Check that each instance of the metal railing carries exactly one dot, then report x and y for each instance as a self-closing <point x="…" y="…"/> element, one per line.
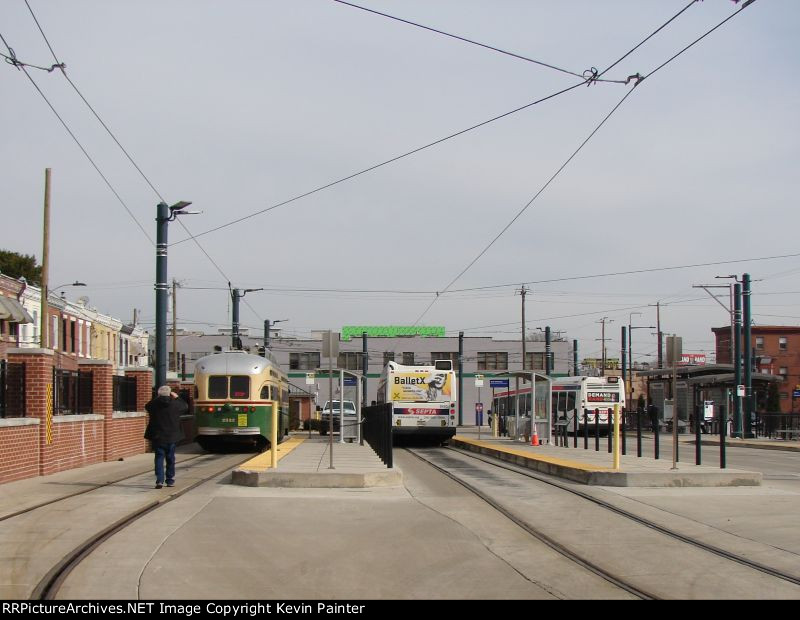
<point x="12" y="389"/>
<point x="72" y="392"/>
<point x="124" y="393"/>
<point x="378" y="430"/>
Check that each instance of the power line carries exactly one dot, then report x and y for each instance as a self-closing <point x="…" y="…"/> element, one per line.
<point x="62" y="66"/>
<point x="586" y="74"/>
<point x="84" y="151"/>
<point x="384" y="163"/>
<point x="525" y="208"/>
<point x="614" y="109"/>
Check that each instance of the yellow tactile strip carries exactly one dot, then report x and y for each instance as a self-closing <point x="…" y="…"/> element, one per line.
<point x="263" y="461"/>
<point x="526" y="454"/>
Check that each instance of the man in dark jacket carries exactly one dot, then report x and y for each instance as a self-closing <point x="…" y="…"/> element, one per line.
<point x="164" y="431"/>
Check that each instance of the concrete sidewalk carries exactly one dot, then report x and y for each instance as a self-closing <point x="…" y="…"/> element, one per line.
<point x="306" y="463"/>
<point x="596" y="467"/>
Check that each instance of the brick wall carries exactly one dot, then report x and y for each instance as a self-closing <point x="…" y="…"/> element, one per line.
<point x="77" y="441"/>
<point x="19" y="449"/>
<point x="125" y="433"/>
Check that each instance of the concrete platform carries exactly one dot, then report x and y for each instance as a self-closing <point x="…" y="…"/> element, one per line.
<point x="596" y="468"/>
<point x="305" y="463"/>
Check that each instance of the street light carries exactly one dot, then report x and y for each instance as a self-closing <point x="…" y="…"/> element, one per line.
<point x="76" y="283"/>
<point x="164" y="215"/>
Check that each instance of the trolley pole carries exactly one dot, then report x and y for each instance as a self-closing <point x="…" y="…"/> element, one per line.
<point x="44" y="341"/>
<point x="737" y="358"/>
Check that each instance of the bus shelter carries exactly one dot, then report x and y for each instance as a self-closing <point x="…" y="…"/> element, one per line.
<point x="526" y="410"/>
<point x="349" y="388"/>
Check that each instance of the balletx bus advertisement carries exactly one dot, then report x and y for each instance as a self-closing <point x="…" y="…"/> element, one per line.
<point x="425" y="386"/>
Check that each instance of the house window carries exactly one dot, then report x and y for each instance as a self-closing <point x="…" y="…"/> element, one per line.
<point x="303" y="361"/>
<point x="783" y="371"/>
<point x="784" y="395"/>
<point x="388" y="356"/>
<point x="782" y="343"/>
<point x="492" y="360"/>
<point x="350" y="360"/>
<point x="534" y="361"/>
<point x="759" y="342"/>
<point x="408" y="358"/>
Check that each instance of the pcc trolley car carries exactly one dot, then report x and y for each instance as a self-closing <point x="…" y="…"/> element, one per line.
<point x="235" y="396"/>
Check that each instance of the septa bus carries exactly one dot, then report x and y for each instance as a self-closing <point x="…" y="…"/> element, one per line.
<point x="423" y="399"/>
<point x="572" y="397"/>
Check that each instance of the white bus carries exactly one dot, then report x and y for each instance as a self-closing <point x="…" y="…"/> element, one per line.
<point x="572" y="397"/>
<point x="423" y="399"/>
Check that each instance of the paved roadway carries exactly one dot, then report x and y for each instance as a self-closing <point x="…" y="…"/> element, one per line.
<point x="429" y="539"/>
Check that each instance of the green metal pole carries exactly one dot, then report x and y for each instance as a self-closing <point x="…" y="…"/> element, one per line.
<point x="748" y="359"/>
<point x="162" y="222"/>
<point x="737" y="358"/>
<point x="460" y="377"/>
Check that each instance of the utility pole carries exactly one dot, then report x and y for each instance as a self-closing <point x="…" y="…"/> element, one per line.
<point x="660" y="337"/>
<point x="575" y="357"/>
<point x="44" y="341"/>
<point x="164" y="215"/>
<point x="460" y="378"/>
<point x="548" y="354"/>
<point x="174" y="325"/>
<point x="603" y="322"/>
<point x="623" y="338"/>
<point x="236" y="342"/>
<point x="748" y="357"/>
<point x="737" y="355"/>
<point x="523" y="291"/>
<point x="235" y="318"/>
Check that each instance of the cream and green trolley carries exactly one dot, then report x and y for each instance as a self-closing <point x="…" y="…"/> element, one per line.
<point x="235" y="396"/>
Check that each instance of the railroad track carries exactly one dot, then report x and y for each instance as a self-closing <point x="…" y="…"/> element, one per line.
<point x="48" y="586"/>
<point x="576" y="556"/>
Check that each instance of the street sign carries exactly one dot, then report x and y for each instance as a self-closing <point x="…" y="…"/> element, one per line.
<point x="739" y="390"/>
<point x="498" y="383"/>
<point x="796" y="394"/>
<point x="350" y="381"/>
<point x="478" y="380"/>
<point x="309" y="378"/>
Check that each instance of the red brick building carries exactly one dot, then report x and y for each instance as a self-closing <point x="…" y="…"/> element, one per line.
<point x="775" y="350"/>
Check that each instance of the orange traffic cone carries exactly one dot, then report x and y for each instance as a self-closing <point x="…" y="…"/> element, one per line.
<point x="535" y="438"/>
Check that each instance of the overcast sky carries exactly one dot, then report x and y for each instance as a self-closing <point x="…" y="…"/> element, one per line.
<point x="238" y="106"/>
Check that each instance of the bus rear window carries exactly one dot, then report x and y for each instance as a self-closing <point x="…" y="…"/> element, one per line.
<point x="218" y="387"/>
<point x="240" y="387"/>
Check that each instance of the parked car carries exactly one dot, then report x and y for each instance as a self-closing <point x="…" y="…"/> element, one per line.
<point x="334" y="407"/>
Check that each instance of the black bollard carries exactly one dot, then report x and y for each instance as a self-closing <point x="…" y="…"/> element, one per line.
<point x="597" y="430"/>
<point x="585" y="429"/>
<point x="638" y="432"/>
<point x="655" y="439"/>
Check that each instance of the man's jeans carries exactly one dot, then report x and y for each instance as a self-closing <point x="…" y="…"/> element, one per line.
<point x="164" y="451"/>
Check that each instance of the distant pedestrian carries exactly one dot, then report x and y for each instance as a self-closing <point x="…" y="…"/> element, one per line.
<point x="652" y="411"/>
<point x="164" y="432"/>
<point x="489" y="417"/>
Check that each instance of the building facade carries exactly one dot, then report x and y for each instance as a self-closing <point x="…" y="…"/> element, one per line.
<point x="302" y="357"/>
<point x="775" y="350"/>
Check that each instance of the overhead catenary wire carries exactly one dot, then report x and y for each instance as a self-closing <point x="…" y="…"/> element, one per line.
<point x="62" y="66"/>
<point x="614" y="109"/>
<point x="86" y="154"/>
<point x="385" y="162"/>
<point x="583" y="75"/>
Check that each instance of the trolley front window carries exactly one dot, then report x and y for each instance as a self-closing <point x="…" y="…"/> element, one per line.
<point x="218" y="387"/>
<point x="240" y="387"/>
